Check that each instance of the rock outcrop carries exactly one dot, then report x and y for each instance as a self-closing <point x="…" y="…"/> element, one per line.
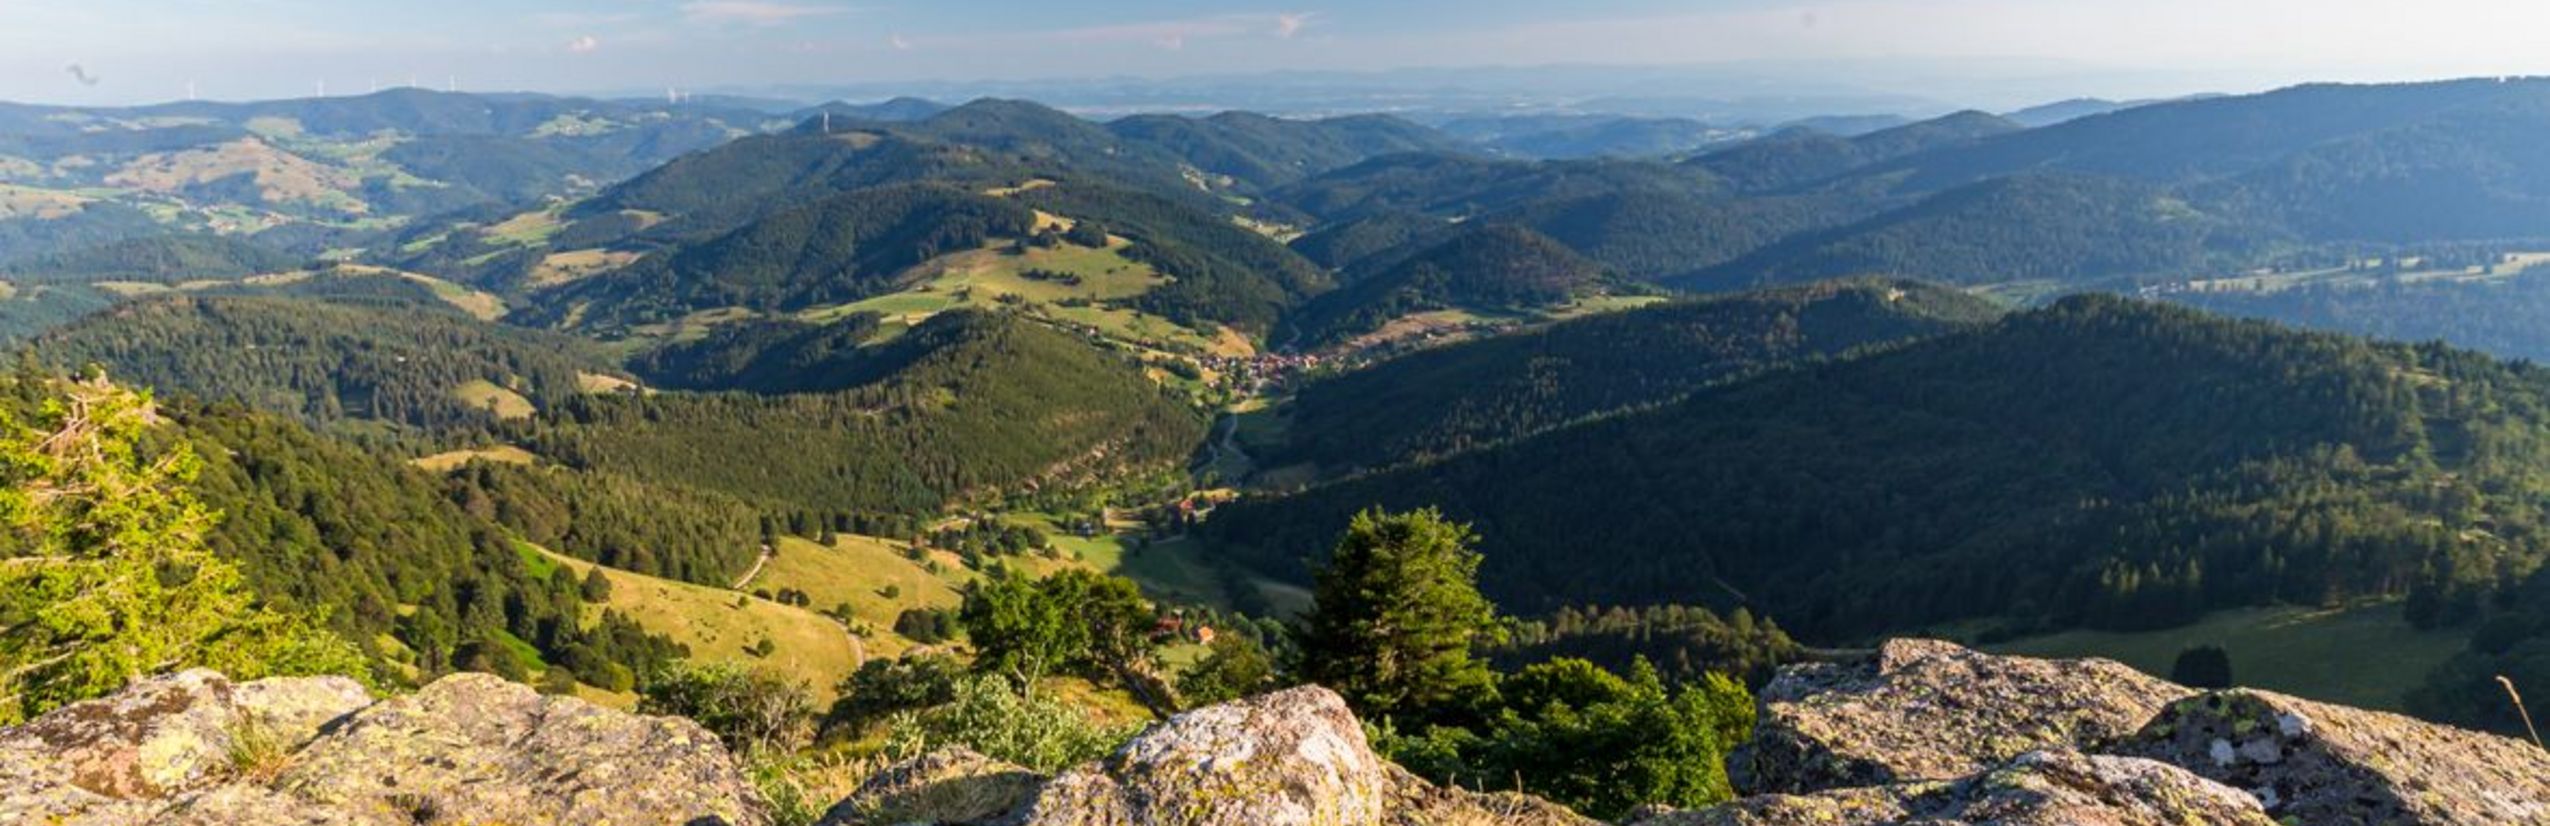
<point x="1928" y="710"/>
<point x="1292" y="758"/>
<point x="2324" y="764"/>
<point x="1922" y="733"/>
<point x="195" y="748"/>
<point x="1925" y="733"/>
<point x="2044" y="788"/>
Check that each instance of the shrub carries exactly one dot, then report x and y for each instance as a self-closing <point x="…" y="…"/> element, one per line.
<point x="995" y="721"/>
<point x="753" y="712"/>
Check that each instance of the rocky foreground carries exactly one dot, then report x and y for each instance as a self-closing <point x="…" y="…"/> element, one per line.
<point x="1921" y="732"/>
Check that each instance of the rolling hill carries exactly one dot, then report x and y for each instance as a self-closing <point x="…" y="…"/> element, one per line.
<point x="1492" y="270"/>
<point x="329" y="363"/>
<point x="1460" y="397"/>
<point x="974" y="404"/>
<point x="1800" y="157"/>
<point x="836" y="250"/>
<point x="2099" y="462"/>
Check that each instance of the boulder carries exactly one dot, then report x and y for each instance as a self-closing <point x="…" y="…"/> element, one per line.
<point x="1928" y="710"/>
<point x="194" y="748"/>
<point x="1292" y="758"/>
<point x="951" y="785"/>
<point x="1415" y="802"/>
<point x="117" y="758"/>
<point x="474" y="748"/>
<point x="2042" y="788"/>
<point x="2321" y="764"/>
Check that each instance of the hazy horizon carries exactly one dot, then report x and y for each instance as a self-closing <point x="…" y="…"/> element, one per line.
<point x="1936" y="54"/>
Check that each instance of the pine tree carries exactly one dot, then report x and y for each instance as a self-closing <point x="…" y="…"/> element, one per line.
<point x="106" y="576"/>
<point x="1395" y="614"/>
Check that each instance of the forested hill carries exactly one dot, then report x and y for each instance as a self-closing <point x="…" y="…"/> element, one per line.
<point x="159" y="258"/>
<point x="994" y="402"/>
<point x="2068" y="229"/>
<point x="376" y="549"/>
<point x="1800" y="157"/>
<point x="2100" y="462"/>
<point x="839" y="249"/>
<point x="1458" y="397"/>
<point x="1496" y="269"/>
<point x="328" y="362"/>
<point x="1265" y="151"/>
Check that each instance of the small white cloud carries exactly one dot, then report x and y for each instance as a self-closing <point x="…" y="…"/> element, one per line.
<point x="1287" y="25"/>
<point x="584" y="45"/>
<point x="752" y="12"/>
<point x="900" y="44"/>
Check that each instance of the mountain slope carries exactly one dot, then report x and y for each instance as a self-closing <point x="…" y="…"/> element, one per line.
<point x="976" y="402"/>
<point x="1494" y="269"/>
<point x="1263" y="151"/>
<point x="2099" y="462"/>
<point x="327" y="362"/>
<point x="1799" y="157"/>
<point x="2068" y="229"/>
<point x="1459" y="397"/>
<point x="835" y="250"/>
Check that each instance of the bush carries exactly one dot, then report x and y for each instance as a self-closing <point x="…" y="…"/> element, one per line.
<point x="883" y="687"/>
<point x="753" y="712"/>
<point x="1599" y="743"/>
<point x="1041" y="734"/>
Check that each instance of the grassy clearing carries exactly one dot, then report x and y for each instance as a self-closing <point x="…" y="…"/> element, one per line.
<point x="2365" y="656"/>
<point x="485" y="395"/>
<point x="30" y="202"/>
<point x="576" y="265"/>
<point x="527" y="229"/>
<point x="598" y="383"/>
<point x="718" y="625"/>
<point x="452" y="460"/>
<point x="857" y="570"/>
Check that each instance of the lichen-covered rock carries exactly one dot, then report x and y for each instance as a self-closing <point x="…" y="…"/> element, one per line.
<point x="473" y="748"/>
<point x="2323" y="764"/>
<point x="1928" y="710"/>
<point x="1415" y="802"/>
<point x="2044" y="788"/>
<point x="115" y="759"/>
<point x="194" y="749"/>
<point x="952" y="785"/>
<point x="1292" y="758"/>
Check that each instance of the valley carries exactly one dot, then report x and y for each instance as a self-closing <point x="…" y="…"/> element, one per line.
<point x="999" y="425"/>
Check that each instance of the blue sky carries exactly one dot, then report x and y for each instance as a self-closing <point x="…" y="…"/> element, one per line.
<point x="130" y="50"/>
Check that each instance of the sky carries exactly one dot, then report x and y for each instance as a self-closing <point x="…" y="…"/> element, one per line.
<point x="127" y="51"/>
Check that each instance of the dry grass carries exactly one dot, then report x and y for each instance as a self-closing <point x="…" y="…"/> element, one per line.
<point x="485" y="395"/>
<point x="576" y="265"/>
<point x="718" y="624"/>
<point x="449" y="461"/>
<point x="279" y="176"/>
<point x="256" y="753"/>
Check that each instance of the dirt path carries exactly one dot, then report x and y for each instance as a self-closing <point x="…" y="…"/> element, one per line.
<point x="747" y="579"/>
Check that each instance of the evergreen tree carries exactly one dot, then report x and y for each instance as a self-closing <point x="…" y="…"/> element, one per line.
<point x="1395" y="615"/>
<point x="107" y="576"/>
<point x="596" y="587"/>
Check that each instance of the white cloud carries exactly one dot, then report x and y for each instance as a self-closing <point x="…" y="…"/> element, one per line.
<point x="753" y="12"/>
<point x="899" y="42"/>
<point x="1287" y="25"/>
<point x="584" y="45"/>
